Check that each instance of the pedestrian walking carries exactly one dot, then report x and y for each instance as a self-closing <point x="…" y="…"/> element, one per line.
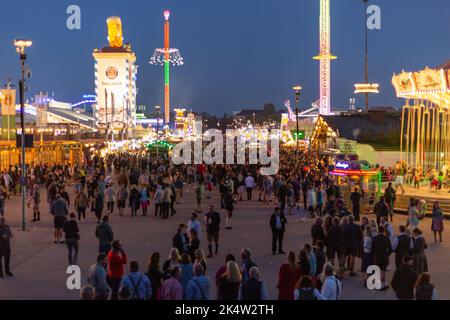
<point x="59" y="210"/>
<point x="278" y="226"/>
<point x="72" y="236"/>
<point x="105" y="235"/>
<point x="437" y="223"/>
<point x="5" y="248"/>
<point x="97" y="277"/>
<point x="117" y="258"/>
<point x="212" y="222"/>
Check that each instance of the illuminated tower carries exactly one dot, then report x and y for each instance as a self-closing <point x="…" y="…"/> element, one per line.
<point x="325" y="58"/>
<point x="115" y="82"/>
<point x="165" y="57"/>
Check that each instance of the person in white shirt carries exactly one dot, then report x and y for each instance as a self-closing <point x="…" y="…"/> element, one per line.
<point x="332" y="286"/>
<point x="249" y="184"/>
<point x="193" y="224"/>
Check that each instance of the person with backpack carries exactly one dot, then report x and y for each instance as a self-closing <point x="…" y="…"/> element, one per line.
<point x="137" y="283"/>
<point x="332" y="286"/>
<point x="304" y="290"/>
<point x="198" y="286"/>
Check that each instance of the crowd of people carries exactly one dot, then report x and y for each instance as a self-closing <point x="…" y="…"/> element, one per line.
<point x="136" y="184"/>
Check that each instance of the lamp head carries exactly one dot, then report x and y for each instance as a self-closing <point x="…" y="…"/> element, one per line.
<point x="166" y="15"/>
<point x="297" y="88"/>
<point x="21" y="44"/>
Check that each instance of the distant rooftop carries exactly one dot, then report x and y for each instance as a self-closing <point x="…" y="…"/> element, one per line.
<point x="445" y="65"/>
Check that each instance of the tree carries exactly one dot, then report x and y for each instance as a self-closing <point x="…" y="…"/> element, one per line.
<point x="269" y="108"/>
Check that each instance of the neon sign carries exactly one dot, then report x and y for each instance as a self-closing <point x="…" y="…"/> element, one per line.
<point x="342" y="165"/>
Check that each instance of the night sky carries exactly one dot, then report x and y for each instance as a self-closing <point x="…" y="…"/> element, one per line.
<point x="238" y="53"/>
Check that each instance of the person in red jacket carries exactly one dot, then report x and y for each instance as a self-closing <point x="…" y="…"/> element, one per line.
<point x="116" y="261"/>
<point x="287" y="278"/>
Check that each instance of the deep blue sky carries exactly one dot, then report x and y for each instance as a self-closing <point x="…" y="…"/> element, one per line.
<point x="238" y="53"/>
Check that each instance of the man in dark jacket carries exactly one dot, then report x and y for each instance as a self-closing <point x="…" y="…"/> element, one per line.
<point x="402" y="246"/>
<point x="282" y="193"/>
<point x="278" y="226"/>
<point x="404" y="280"/>
<point x="356" y="201"/>
<point x="253" y="289"/>
<point x="381" y="209"/>
<point x="5" y="247"/>
<point x="105" y="235"/>
<point x="335" y="242"/>
<point x="390" y="197"/>
<point x="353" y="240"/>
<point x="317" y="232"/>
<point x="180" y="240"/>
<point x="381" y="249"/>
<point x="212" y="222"/>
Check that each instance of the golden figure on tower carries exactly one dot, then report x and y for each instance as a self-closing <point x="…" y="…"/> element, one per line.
<point x="115" y="36"/>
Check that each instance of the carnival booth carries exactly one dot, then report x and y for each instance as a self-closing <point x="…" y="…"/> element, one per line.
<point x="351" y="172"/>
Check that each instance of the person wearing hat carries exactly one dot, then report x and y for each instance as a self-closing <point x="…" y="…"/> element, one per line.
<point x="278" y="225"/>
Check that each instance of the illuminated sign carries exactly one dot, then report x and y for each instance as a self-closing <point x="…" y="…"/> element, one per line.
<point x="342" y="165"/>
<point x="354" y="172"/>
<point x="300" y="135"/>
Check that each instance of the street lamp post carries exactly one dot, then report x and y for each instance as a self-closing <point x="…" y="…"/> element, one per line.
<point x="366" y="67"/>
<point x="297" y="90"/>
<point x="20" y="45"/>
<point x="158" y="110"/>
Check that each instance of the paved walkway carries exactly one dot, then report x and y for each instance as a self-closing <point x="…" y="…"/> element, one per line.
<point x="39" y="265"/>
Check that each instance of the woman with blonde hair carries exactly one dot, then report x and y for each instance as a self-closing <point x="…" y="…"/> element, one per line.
<point x="199" y="255"/>
<point x="374" y="227"/>
<point x="230" y="282"/>
<point x="174" y="260"/>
